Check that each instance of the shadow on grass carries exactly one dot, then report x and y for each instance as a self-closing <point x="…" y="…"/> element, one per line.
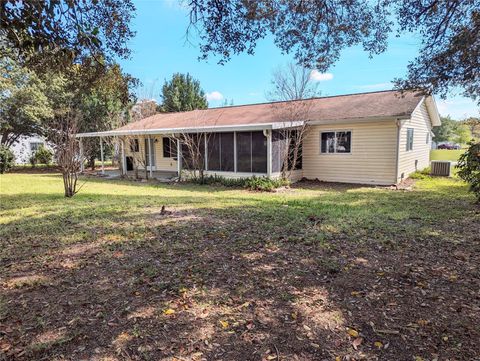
<point x="241" y="277"/>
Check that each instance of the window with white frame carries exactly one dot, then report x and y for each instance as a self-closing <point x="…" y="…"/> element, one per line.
<point x="409" y="139"/>
<point x="336" y="142"/>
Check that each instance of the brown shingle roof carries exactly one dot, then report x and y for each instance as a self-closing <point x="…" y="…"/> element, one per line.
<point x="341" y="107"/>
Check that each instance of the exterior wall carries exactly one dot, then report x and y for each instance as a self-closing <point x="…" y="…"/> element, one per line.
<point x="22" y="149"/>
<point x="372" y="159"/>
<point x="161" y="163"/>
<point x="419" y="157"/>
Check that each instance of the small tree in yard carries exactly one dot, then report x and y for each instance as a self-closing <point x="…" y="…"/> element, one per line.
<point x="291" y="84"/>
<point x="193" y="153"/>
<point x="7" y="159"/>
<point x="67" y="150"/>
<point x="290" y="138"/>
<point x="469" y="168"/>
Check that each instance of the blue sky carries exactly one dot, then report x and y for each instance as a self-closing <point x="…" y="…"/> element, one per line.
<point x="160" y="49"/>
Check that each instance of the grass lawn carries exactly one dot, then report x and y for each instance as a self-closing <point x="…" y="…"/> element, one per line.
<point x="446" y="154"/>
<point x="316" y="272"/>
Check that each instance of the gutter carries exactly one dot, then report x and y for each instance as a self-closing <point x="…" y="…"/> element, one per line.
<point x="212" y="129"/>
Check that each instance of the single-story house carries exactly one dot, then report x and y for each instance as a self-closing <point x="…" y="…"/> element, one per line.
<point x="26" y="146"/>
<point x="370" y="138"/>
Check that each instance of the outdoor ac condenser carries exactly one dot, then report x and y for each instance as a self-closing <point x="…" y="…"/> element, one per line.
<point x="440" y="167"/>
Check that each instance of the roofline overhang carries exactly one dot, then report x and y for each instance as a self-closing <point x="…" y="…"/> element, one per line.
<point x="433" y="111"/>
<point x="211" y="129"/>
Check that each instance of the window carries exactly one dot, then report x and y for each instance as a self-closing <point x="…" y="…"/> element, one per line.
<point x="409" y="139"/>
<point x="251" y="152"/>
<point x="220" y="152"/>
<point x="134" y="146"/>
<point x="34" y="146"/>
<point x="169" y="148"/>
<point x="336" y="142"/>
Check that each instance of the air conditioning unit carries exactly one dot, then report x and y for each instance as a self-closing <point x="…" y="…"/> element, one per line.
<point x="440" y="167"/>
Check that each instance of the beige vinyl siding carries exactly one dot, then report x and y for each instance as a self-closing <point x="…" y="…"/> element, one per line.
<point x="419" y="157"/>
<point x="161" y="163"/>
<point x="372" y="159"/>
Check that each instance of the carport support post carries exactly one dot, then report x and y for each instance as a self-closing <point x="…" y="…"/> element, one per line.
<point x="269" y="153"/>
<point x="82" y="165"/>
<point x="124" y="163"/>
<point x="101" y="155"/>
<point x="179" y="158"/>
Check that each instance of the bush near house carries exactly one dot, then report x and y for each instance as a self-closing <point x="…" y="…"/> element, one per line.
<point x="469" y="168"/>
<point x="44" y="155"/>
<point x="263" y="184"/>
<point x="7" y="159"/>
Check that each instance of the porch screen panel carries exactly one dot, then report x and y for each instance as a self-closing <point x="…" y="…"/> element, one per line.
<point x="244" y="152"/>
<point x="213" y="153"/>
<point x="278" y="148"/>
<point x="251" y="152"/>
<point x="227" y="157"/>
<point x="187" y="159"/>
<point x="259" y="153"/>
<point x="220" y="152"/>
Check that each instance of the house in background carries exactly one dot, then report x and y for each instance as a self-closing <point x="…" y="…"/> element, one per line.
<point x="25" y="147"/>
<point x="369" y="138"/>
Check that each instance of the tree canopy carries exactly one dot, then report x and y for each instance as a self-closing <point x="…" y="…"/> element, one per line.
<point x="317" y="31"/>
<point x="59" y="32"/>
<point x="453" y="131"/>
<point x="182" y="93"/>
<point x="23" y="103"/>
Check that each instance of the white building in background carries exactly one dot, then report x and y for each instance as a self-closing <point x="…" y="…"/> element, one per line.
<point x="26" y="146"/>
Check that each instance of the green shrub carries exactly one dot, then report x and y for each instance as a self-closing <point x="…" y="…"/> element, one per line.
<point x="264" y="183"/>
<point x="252" y="183"/>
<point x="43" y="155"/>
<point x="421" y="174"/>
<point x="7" y="159"/>
<point x="469" y="168"/>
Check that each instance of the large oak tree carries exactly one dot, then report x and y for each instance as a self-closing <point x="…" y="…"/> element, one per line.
<point x="316" y="31"/>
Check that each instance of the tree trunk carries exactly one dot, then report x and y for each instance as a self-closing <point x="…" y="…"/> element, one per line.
<point x="4" y="138"/>
<point x="91" y="162"/>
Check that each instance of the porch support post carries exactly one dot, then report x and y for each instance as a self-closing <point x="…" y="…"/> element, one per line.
<point x="206" y="152"/>
<point x="179" y="158"/>
<point x="82" y="165"/>
<point x="269" y="153"/>
<point x="122" y="154"/>
<point x="235" y="152"/>
<point x="101" y="155"/>
<point x="150" y="159"/>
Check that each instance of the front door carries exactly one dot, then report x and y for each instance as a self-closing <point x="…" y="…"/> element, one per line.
<point x="150" y="162"/>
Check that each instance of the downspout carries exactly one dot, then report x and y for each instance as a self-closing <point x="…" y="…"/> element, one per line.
<point x="397" y="156"/>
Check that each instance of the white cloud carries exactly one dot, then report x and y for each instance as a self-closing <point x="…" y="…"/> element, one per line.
<point x="315" y="75"/>
<point x="458" y="107"/>
<point x="215" y="95"/>
<point x="377" y="86"/>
